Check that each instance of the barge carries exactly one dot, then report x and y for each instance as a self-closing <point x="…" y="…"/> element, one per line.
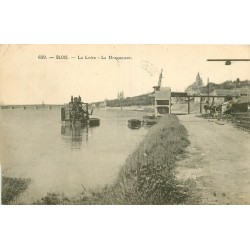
<point x="77" y="112"/>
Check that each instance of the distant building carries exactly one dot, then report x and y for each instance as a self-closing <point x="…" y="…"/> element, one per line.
<point x="120" y="95"/>
<point x="198" y="82"/>
<point x="203" y="92"/>
<point x="240" y="92"/>
<point x="196" y="87"/>
<point x="196" y="99"/>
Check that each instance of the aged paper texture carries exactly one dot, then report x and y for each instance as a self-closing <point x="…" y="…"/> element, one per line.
<point x="125" y="124"/>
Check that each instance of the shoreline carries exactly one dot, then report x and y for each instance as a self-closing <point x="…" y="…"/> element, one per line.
<point x="148" y="176"/>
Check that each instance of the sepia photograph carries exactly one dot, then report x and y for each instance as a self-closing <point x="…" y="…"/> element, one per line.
<point x="128" y="120"/>
<point x="125" y="124"/>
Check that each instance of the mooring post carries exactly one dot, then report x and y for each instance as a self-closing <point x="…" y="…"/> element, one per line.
<point x="188" y="104"/>
<point x="201" y="105"/>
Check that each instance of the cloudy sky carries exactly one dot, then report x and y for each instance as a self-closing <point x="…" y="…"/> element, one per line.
<point x="26" y="79"/>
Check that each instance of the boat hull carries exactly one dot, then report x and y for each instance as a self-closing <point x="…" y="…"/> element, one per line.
<point x="134" y="123"/>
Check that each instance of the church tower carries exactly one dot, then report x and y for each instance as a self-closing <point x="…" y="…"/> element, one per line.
<point x="198" y="81"/>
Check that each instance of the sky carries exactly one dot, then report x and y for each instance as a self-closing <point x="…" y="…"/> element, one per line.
<point x="26" y="79"/>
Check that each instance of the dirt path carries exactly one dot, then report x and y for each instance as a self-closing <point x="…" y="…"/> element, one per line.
<point x="218" y="160"/>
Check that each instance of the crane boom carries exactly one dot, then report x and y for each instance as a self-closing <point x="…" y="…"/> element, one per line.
<point x="160" y="78"/>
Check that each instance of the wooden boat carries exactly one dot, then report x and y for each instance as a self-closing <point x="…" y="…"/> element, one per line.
<point x="149" y="122"/>
<point x="134" y="123"/>
<point x="94" y="122"/>
<point x="151" y="117"/>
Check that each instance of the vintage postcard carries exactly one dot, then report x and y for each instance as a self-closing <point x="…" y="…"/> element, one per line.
<point x="125" y="124"/>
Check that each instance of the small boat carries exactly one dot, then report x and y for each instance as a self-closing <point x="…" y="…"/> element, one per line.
<point x="151" y="117"/>
<point x="134" y="123"/>
<point x="94" y="122"/>
<point x="150" y="122"/>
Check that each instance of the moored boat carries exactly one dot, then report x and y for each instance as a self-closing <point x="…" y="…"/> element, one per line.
<point x="94" y="122"/>
<point x="134" y="123"/>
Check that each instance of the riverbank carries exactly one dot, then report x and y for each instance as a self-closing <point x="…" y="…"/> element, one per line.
<point x="148" y="108"/>
<point x="148" y="175"/>
<point x="12" y="188"/>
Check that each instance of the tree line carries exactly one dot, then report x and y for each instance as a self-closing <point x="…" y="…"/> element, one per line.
<point x="141" y="100"/>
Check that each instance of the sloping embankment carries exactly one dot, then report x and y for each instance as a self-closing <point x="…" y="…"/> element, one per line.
<point x="148" y="175"/>
<point x="12" y="188"/>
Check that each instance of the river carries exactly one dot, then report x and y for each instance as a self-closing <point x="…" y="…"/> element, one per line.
<point x="37" y="145"/>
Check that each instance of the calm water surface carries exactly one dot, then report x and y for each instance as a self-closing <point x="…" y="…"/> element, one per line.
<point x="57" y="158"/>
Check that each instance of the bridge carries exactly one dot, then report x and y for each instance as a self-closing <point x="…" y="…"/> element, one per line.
<point x="31" y="106"/>
<point x="102" y="104"/>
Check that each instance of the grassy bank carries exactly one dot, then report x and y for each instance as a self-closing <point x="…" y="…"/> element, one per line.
<point x="148" y="175"/>
<point x="12" y="188"/>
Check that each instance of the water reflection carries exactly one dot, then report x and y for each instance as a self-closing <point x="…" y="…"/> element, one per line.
<point x="75" y="134"/>
<point x="66" y="157"/>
